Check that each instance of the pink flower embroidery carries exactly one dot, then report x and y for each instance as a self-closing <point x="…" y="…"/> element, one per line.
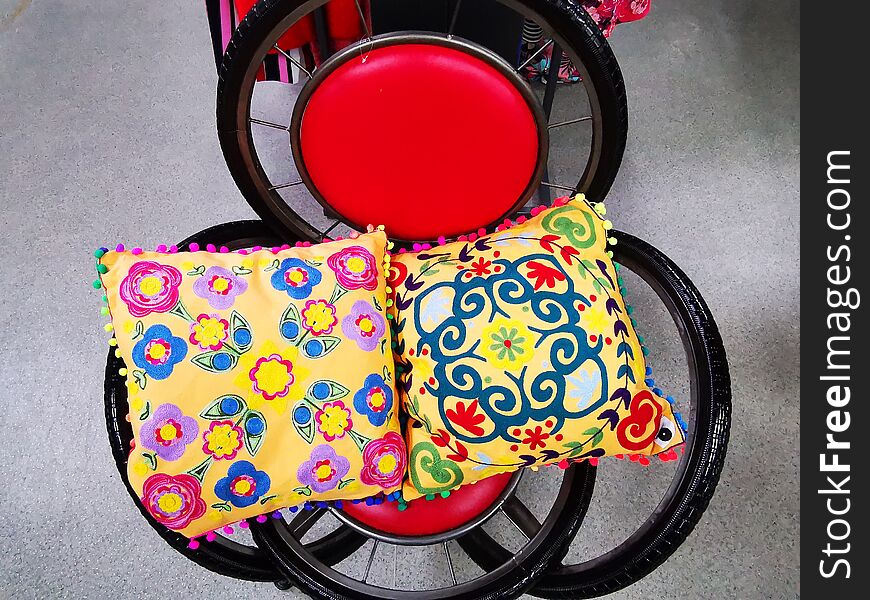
<point x="384" y="461"/>
<point x="173" y="500"/>
<point x="355" y="268"/>
<point x="150" y="287"/>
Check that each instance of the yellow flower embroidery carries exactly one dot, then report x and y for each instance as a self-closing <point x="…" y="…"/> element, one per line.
<point x="271" y="376"/>
<point x="318" y="317"/>
<point x="506" y="344"/>
<point x="333" y="420"/>
<point x="209" y="332"/>
<point x="222" y="440"/>
<point x="594" y="320"/>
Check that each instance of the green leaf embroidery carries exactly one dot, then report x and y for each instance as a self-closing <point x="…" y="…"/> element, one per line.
<point x="146" y="412"/>
<point x="337" y="292"/>
<point x="302" y="417"/>
<point x="253" y="442"/>
<point x="199" y="470"/>
<point x="151" y="459"/>
<point x="597" y="434"/>
<point x="272" y="266"/>
<point x="303" y="491"/>
<point x="215" y="410"/>
<point x="358" y="439"/>
<point x="140" y="378"/>
<point x="206" y="360"/>
<point x="376" y="303"/>
<point x="241" y="270"/>
<point x="336" y="391"/>
<point x="428" y="425"/>
<point x="265" y="499"/>
<point x="222" y="506"/>
<point x="314" y="263"/>
<point x="179" y="311"/>
<point x="197" y="271"/>
<point x="140" y="329"/>
<point x="576" y="448"/>
<point x="238" y="323"/>
<point x="328" y="344"/>
<point x="345" y="482"/>
<point x="291" y="315"/>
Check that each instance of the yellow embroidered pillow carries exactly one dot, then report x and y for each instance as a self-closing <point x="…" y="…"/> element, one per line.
<point x="515" y="350"/>
<point x="259" y="379"/>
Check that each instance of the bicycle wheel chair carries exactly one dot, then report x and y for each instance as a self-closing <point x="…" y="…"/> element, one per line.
<point x="381" y="132"/>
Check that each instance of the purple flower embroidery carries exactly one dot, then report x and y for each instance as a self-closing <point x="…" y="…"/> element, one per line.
<point x="324" y="470"/>
<point x="168" y="432"/>
<point x="364" y="325"/>
<point x="220" y="287"/>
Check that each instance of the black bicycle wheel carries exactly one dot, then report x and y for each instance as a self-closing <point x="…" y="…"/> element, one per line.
<point x="223" y="555"/>
<point x="519" y="571"/>
<point x="567" y="27"/>
<point x="698" y="471"/>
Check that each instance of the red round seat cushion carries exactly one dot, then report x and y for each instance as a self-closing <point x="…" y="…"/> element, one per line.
<point x="430" y="517"/>
<point x="424" y="139"/>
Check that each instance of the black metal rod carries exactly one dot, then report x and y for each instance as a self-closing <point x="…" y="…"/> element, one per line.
<point x="549" y="95"/>
<point x="321" y="32"/>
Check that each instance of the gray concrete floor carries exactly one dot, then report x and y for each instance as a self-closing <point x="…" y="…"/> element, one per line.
<point x="107" y="134"/>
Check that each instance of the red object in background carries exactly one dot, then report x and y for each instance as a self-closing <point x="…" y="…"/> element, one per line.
<point x="343" y="27"/>
<point x="300" y="34"/>
<point x="343" y="22"/>
<point x="379" y="146"/>
<point x="607" y="14"/>
<point x="430" y="517"/>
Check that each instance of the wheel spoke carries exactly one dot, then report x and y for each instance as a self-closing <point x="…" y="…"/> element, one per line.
<point x="453" y="18"/>
<point x="304" y="521"/>
<point x="371" y="560"/>
<point x="569" y="122"/>
<point x="330" y="228"/>
<point x="450" y="563"/>
<point x="362" y="18"/>
<point x="293" y="60"/>
<point x="522" y="518"/>
<point x="556" y="186"/>
<point x="285" y="185"/>
<point x="536" y="54"/>
<point x="268" y="124"/>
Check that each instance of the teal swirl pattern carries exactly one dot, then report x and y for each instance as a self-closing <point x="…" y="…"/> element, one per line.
<point x="536" y="392"/>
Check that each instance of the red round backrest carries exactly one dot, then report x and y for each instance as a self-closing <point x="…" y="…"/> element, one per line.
<point x="427" y="136"/>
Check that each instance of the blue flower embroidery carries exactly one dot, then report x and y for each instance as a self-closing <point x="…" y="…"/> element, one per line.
<point x="296" y="277"/>
<point x="437" y="307"/>
<point x="374" y="400"/>
<point x="159" y="351"/>
<point x="583" y="387"/>
<point x="243" y="485"/>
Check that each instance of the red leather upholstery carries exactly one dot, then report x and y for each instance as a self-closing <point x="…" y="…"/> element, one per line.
<point x="424" y="139"/>
<point x="428" y="517"/>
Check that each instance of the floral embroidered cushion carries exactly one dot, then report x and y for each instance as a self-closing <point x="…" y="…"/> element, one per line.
<point x="258" y="379"/>
<point x="515" y="350"/>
